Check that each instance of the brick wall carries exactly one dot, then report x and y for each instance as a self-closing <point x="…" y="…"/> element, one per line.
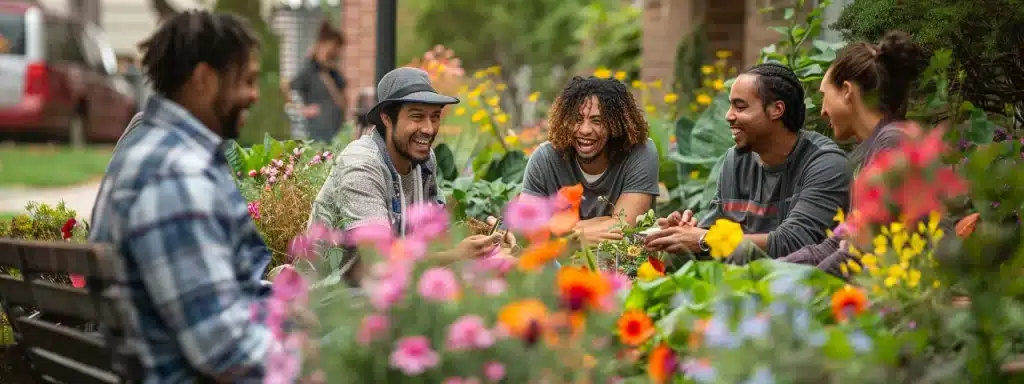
<point x="358" y="57"/>
<point x="665" y="23"/>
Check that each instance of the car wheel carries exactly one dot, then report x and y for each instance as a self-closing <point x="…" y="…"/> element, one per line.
<point x="76" y="131"/>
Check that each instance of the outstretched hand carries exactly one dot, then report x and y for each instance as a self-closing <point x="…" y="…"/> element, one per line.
<point x="675" y="219"/>
<point x="675" y="239"/>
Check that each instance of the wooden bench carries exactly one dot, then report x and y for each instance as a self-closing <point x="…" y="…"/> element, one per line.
<point x="49" y="319"/>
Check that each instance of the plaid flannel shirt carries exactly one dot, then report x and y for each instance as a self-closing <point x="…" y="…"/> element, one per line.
<point x="191" y="254"/>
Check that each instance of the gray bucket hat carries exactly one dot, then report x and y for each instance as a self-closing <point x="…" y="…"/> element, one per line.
<point x="408" y="85"/>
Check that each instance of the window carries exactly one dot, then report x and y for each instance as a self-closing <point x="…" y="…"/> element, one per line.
<point x="12" y="34"/>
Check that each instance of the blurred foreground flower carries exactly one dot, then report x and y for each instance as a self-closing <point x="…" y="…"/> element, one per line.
<point x="723" y="237"/>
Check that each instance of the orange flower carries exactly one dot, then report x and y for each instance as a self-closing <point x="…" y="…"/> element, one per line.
<point x="563" y="222"/>
<point x="661" y="364"/>
<point x="572" y="194"/>
<point x="525" y="319"/>
<point x="582" y="288"/>
<point x="848" y="300"/>
<point x="697" y="334"/>
<point x="635" y="327"/>
<point x="538" y="255"/>
<point x="574" y="321"/>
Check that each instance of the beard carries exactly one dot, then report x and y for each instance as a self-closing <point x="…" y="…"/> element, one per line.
<point x="229" y="116"/>
<point x="402" y="146"/>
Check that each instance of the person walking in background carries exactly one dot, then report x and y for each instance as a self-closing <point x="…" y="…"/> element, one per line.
<point x="321" y="87"/>
<point x="170" y="207"/>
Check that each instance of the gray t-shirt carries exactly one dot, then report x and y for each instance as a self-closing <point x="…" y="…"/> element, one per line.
<point x="633" y="172"/>
<point x="311" y="88"/>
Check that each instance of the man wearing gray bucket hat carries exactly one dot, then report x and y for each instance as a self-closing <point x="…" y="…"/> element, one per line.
<point x="378" y="176"/>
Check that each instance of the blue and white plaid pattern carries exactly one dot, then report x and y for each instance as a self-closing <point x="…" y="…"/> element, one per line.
<point x="191" y="254"/>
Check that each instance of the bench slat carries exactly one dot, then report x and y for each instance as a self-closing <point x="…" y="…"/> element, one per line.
<point x="67" y="370"/>
<point x="67" y="342"/>
<point x="56" y="299"/>
<point x="55" y="257"/>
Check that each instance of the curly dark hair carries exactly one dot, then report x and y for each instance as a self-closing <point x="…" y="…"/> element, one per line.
<point x="221" y="40"/>
<point x="627" y="127"/>
<point x="777" y="82"/>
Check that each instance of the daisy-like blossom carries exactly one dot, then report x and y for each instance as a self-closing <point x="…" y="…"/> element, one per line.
<point x="439" y="284"/>
<point x="413" y="355"/>
<point x="469" y="332"/>
<point x="527" y="213"/>
<point x="373" y="327"/>
<point x="427" y="221"/>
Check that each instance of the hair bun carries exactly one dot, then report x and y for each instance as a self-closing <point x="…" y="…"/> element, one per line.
<point x="901" y="56"/>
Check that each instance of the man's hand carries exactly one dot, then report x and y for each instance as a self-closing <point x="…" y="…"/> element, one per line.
<point x="510" y="238"/>
<point x="675" y="219"/>
<point x="477" y="246"/>
<point x="675" y="239"/>
<point x="594" y="231"/>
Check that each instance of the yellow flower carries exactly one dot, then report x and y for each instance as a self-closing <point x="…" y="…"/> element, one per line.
<point x="639" y="84"/>
<point x="478" y="116"/>
<point x="501" y="118"/>
<point x="487" y="127"/>
<point x="723" y="54"/>
<point x="475" y="93"/>
<point x="460" y="111"/>
<point x="671" y="98"/>
<point x="620" y="76"/>
<point x="500" y="87"/>
<point x="647" y="272"/>
<point x="493" y="101"/>
<point x="511" y="139"/>
<point x="840" y="216"/>
<point x="656" y="84"/>
<point x="495" y="70"/>
<point x="913" y="278"/>
<point x="881" y="244"/>
<point x="479" y="74"/>
<point x="719" y="84"/>
<point x="695" y="174"/>
<point x="854" y="266"/>
<point x="533" y="97"/>
<point x="475" y="103"/>
<point x="703" y="99"/>
<point x="707" y="69"/>
<point x="602" y="73"/>
<point x="463" y="89"/>
<point x="633" y="250"/>
<point x="723" y="237"/>
<point x="870" y="261"/>
<point x="650" y="108"/>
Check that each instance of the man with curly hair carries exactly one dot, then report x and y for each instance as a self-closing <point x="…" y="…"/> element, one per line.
<point x="782" y="184"/>
<point x="598" y="138"/>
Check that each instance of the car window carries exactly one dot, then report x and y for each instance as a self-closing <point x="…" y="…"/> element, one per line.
<point x="12" y="33"/>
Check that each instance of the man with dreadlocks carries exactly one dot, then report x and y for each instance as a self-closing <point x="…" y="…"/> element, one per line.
<point x="782" y="184"/>
<point x="598" y="138"/>
<point x="192" y="258"/>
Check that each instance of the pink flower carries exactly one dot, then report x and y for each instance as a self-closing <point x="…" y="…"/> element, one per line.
<point x="494" y="287"/>
<point x="373" y="327"/>
<point x="618" y="281"/>
<point x="387" y="284"/>
<point x="527" y="213"/>
<point x="427" y="220"/>
<point x="408" y="249"/>
<point x="413" y="355"/>
<point x="469" y="332"/>
<point x="377" y="233"/>
<point x="289" y="286"/>
<point x="254" y="209"/>
<point x="439" y="284"/>
<point x="253" y="173"/>
<point x="319" y="232"/>
<point x="302" y="247"/>
<point x="77" y="281"/>
<point x="282" y="367"/>
<point x="494" y="371"/>
<point x="497" y="265"/>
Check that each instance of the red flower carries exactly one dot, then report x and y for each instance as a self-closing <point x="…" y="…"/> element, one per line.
<point x="916" y="198"/>
<point x="65" y="231"/>
<point x="657" y="264"/>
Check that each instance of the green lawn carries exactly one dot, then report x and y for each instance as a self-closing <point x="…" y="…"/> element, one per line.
<point x="7" y="216"/>
<point x="50" y="165"/>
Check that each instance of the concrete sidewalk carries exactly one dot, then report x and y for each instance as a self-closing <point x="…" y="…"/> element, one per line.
<point x="79" y="197"/>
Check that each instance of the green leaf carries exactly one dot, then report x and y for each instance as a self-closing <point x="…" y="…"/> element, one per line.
<point x="510" y="168"/>
<point x="980" y="129"/>
<point x="784" y="31"/>
<point x="233" y="154"/>
<point x="445" y="162"/>
<point x="789" y="13"/>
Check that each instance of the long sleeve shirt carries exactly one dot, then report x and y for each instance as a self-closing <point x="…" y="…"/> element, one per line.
<point x="793" y="202"/>
<point x="191" y="255"/>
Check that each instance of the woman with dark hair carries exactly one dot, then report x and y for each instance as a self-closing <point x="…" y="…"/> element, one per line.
<point x="864" y="96"/>
<point x="321" y="87"/>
